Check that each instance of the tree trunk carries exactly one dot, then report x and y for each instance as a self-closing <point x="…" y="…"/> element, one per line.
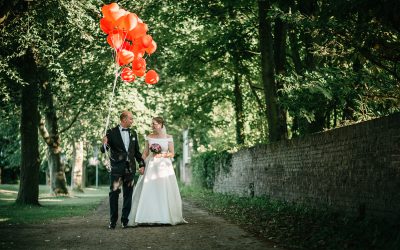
<point x="295" y="52"/>
<point x="29" y="178"/>
<point x="280" y="36"/>
<point x="260" y="109"/>
<point x="351" y="99"/>
<point x="239" y="110"/>
<point x="267" y="70"/>
<point x="319" y="121"/>
<point x="7" y="7"/>
<point x="77" y="180"/>
<point x="308" y="57"/>
<point x="56" y="168"/>
<point x="49" y="132"/>
<point x="309" y="8"/>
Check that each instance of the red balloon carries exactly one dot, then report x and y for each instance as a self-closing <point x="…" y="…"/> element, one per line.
<point x="113" y="7"/>
<point x="146" y="40"/>
<point x="138" y="49"/>
<point x="130" y="48"/>
<point x="127" y="22"/>
<point x="127" y="75"/>
<point x="120" y="23"/>
<point x="125" y="56"/>
<point x="127" y="45"/>
<point x="108" y="9"/>
<point x="138" y="63"/>
<point x="131" y="21"/>
<point x="139" y="31"/>
<point x="139" y="72"/>
<point x="119" y="61"/>
<point x="152" y="48"/>
<point x="126" y="70"/>
<point x="151" y="77"/>
<point x="139" y="53"/>
<point x="115" y="15"/>
<point x="127" y="34"/>
<point x="116" y="39"/>
<point x="105" y="9"/>
<point x="106" y="26"/>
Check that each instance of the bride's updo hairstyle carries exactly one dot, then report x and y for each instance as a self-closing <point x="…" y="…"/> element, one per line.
<point x="159" y="120"/>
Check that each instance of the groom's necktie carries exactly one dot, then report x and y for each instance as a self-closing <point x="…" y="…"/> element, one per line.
<point x="125" y="137"/>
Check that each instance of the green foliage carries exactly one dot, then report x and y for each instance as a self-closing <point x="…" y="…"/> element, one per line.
<point x="9" y="141"/>
<point x="205" y="165"/>
<point x="346" y="61"/>
<point x="79" y="204"/>
<point x="78" y="67"/>
<point x="198" y="42"/>
<point x="296" y="226"/>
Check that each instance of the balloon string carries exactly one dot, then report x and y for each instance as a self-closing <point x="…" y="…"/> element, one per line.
<point x="108" y="167"/>
<point x="116" y="73"/>
<point x="111" y="99"/>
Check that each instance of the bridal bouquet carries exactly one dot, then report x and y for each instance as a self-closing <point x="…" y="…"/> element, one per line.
<point x="155" y="148"/>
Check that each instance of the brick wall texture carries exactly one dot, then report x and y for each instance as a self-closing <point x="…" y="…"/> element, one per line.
<point x="354" y="169"/>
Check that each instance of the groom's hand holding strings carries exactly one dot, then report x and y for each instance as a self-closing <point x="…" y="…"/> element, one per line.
<point x="105" y="140"/>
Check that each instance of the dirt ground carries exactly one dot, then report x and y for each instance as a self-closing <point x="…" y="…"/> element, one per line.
<point x="204" y="231"/>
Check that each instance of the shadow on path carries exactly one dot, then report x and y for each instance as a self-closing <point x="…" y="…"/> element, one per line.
<point x="204" y="231"/>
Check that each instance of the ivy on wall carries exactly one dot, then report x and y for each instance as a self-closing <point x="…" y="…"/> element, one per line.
<point x="205" y="165"/>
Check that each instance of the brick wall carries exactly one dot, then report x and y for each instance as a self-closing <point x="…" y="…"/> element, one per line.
<point x="354" y="168"/>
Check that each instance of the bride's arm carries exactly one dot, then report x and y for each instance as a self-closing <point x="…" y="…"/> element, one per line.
<point x="146" y="150"/>
<point x="171" y="152"/>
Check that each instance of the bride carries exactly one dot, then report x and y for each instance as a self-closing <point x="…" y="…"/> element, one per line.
<point x="156" y="198"/>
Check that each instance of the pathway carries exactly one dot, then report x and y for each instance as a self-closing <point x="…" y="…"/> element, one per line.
<point x="204" y="231"/>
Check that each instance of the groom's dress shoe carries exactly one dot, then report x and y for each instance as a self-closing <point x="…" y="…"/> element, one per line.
<point x="111" y="226"/>
<point x="124" y="225"/>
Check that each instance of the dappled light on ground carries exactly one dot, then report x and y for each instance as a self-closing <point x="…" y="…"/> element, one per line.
<point x="7" y="199"/>
<point x="4" y="191"/>
<point x="51" y="207"/>
<point x="51" y="200"/>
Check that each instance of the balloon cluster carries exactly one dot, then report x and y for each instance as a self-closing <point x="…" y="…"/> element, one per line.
<point x="127" y="34"/>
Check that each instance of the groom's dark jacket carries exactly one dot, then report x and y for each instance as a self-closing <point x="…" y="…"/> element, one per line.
<point x="118" y="154"/>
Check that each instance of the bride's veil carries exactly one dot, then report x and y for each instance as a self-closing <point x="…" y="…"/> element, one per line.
<point x="164" y="129"/>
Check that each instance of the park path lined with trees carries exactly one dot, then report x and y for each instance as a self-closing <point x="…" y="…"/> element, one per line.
<point x="233" y="74"/>
<point x="236" y="73"/>
<point x="204" y="231"/>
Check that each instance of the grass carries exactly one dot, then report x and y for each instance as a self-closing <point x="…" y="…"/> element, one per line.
<point x="52" y="207"/>
<point x="298" y="227"/>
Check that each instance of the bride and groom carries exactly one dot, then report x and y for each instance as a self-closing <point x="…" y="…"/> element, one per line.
<point x="155" y="198"/>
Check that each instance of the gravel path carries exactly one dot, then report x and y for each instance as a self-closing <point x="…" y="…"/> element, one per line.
<point x="204" y="231"/>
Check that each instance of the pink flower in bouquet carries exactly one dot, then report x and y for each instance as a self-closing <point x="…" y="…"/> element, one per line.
<point x="155" y="148"/>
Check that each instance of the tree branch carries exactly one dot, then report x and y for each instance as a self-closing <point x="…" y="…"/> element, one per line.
<point x="43" y="131"/>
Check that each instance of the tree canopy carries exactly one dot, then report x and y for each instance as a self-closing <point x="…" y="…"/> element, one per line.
<point x="333" y="63"/>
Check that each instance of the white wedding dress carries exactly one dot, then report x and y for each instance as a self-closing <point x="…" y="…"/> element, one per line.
<point x="156" y="198"/>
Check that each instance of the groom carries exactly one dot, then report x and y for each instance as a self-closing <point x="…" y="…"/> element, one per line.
<point x="123" y="145"/>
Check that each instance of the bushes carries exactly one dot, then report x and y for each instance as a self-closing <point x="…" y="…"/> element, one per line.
<point x="295" y="226"/>
<point x="205" y="165"/>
